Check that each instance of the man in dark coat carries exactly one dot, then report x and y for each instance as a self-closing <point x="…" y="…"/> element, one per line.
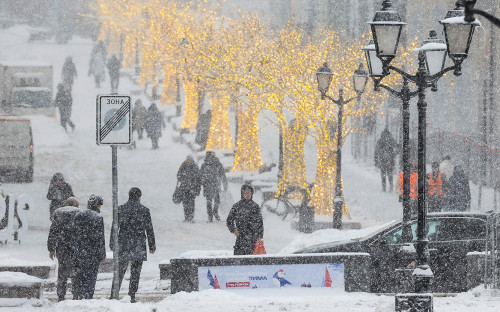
<point x="212" y="175"/>
<point x="134" y="226"/>
<point x="64" y="101"/>
<point x="114" y="66"/>
<point x="89" y="248"/>
<point x="59" y="192"/>
<point x="385" y="152"/>
<point x="60" y="244"/>
<point x="245" y="222"/>
<point x="189" y="183"/>
<point x="139" y="118"/>
<point x="154" y="124"/>
<point x="458" y="190"/>
<point x="68" y="73"/>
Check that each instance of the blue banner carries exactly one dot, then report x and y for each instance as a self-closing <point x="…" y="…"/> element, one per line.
<point x="272" y="276"/>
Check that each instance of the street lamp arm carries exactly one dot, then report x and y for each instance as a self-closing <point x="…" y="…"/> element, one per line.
<point x="441" y="73"/>
<point x="495" y="20"/>
<point x="391" y="90"/>
<point x="412" y="78"/>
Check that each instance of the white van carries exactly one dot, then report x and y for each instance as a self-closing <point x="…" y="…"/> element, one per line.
<point x="16" y="150"/>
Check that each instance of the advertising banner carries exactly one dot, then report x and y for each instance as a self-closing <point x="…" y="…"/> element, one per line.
<point x="272" y="276"/>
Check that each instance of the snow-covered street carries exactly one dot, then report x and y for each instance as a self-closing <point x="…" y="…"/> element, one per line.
<point x="87" y="168"/>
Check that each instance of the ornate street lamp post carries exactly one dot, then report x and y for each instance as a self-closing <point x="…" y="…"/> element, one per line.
<point x="386" y="28"/>
<point x="470" y="11"/>
<point x="324" y="77"/>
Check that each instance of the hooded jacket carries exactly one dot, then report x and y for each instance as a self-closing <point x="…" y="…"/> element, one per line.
<point x="246" y="218"/>
<point x="90" y="246"/>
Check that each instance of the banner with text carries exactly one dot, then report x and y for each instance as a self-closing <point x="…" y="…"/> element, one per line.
<point x="272" y="276"/>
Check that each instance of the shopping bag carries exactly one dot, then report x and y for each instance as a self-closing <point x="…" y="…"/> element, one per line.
<point x="177" y="197"/>
<point x="259" y="248"/>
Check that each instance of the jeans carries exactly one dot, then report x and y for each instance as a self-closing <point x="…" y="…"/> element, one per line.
<point x="86" y="277"/>
<point x="216" y="202"/>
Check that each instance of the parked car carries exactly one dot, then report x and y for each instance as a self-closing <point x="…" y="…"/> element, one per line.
<point x="16" y="150"/>
<point x="451" y="236"/>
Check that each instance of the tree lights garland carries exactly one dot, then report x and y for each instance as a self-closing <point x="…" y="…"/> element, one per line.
<point x="263" y="70"/>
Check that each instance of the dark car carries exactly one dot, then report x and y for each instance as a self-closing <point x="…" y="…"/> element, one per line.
<point x="451" y="236"/>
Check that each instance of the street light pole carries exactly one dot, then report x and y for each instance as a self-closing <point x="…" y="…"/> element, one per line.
<point x="386" y="29"/>
<point x="324" y="76"/>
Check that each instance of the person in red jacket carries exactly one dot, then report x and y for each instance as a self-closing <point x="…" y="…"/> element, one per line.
<point x="435" y="190"/>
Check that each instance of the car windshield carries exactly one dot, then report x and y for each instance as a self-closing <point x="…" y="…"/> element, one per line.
<point x="378" y="230"/>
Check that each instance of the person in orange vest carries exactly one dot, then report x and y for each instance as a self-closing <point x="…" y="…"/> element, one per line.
<point x="413" y="188"/>
<point x="435" y="190"/>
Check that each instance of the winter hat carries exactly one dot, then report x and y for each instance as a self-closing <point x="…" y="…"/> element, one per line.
<point x="94" y="201"/>
<point x="134" y="193"/>
<point x="71" y="201"/>
<point x="246" y="187"/>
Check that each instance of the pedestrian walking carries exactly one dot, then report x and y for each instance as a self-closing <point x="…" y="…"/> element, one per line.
<point x="413" y="189"/>
<point x="139" y="118"/>
<point x="68" y="74"/>
<point x="154" y="124"/>
<point x="60" y="244"/>
<point x="458" y="191"/>
<point x="114" y="66"/>
<point x="59" y="191"/>
<point x="97" y="67"/>
<point x="435" y="188"/>
<point x="212" y="175"/>
<point x="245" y="222"/>
<point x="64" y="101"/>
<point x="89" y="248"/>
<point x="189" y="184"/>
<point x="385" y="152"/>
<point x="134" y="227"/>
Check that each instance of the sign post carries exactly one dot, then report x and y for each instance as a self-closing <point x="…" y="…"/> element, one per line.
<point x="113" y="128"/>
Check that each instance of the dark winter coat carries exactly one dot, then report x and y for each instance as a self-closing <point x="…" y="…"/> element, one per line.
<point x="61" y="238"/>
<point x="90" y="246"/>
<point x="139" y="116"/>
<point x="114" y="66"/>
<point x="458" y="191"/>
<point x="386" y="151"/>
<point x="64" y="101"/>
<point x="154" y="122"/>
<point x="58" y="193"/>
<point x="189" y="180"/>
<point x="134" y="226"/>
<point x="212" y="175"/>
<point x="68" y="74"/>
<point x="245" y="216"/>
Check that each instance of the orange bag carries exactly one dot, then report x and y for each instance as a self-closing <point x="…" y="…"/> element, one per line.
<point x="259" y="248"/>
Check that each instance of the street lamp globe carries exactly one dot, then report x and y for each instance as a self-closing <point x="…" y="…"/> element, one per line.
<point x="324" y="76"/>
<point x="386" y="31"/>
<point x="360" y="78"/>
<point x="375" y="67"/>
<point x="434" y="50"/>
<point x="458" y="33"/>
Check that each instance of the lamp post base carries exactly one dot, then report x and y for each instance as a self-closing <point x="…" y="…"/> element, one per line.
<point x="414" y="302"/>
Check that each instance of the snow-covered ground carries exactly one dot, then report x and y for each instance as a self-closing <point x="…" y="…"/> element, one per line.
<point x="87" y="167"/>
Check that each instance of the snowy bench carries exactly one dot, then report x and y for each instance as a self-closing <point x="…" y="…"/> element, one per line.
<point x="20" y="285"/>
<point x="187" y="271"/>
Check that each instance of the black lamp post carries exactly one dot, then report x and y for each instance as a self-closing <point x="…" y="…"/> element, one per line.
<point x="470" y="11"/>
<point x="324" y="76"/>
<point x="386" y="28"/>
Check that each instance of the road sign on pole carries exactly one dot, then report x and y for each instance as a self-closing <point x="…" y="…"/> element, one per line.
<point x="114" y="126"/>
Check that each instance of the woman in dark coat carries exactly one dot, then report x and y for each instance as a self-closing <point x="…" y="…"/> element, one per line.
<point x="64" y="101"/>
<point x="245" y="222"/>
<point x="154" y="123"/>
<point x="90" y="247"/>
<point x="59" y="191"/>
<point x="68" y="74"/>
<point x="189" y="183"/>
<point x="458" y="190"/>
<point x="139" y="118"/>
